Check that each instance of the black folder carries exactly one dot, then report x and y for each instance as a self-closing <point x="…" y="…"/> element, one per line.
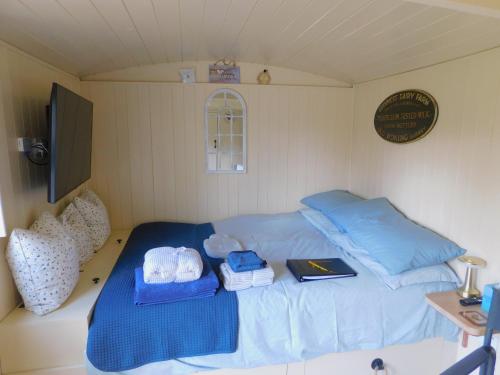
<point x="319" y="269"/>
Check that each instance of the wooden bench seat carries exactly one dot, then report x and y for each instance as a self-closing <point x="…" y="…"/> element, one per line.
<point x="58" y="339"/>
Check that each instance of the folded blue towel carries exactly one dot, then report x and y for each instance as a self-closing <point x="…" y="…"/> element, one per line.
<point x="148" y="294"/>
<point x="247" y="260"/>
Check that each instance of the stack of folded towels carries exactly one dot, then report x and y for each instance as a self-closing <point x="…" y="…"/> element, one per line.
<point x="245" y="269"/>
<point x="173" y="274"/>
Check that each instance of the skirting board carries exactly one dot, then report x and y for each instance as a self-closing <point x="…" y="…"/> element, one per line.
<point x="71" y="370"/>
<point x="426" y="357"/>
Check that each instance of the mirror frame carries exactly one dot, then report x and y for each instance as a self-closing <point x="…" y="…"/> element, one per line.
<point x="244" y="118"/>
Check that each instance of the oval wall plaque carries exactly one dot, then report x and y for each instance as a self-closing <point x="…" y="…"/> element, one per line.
<point x="406" y="116"/>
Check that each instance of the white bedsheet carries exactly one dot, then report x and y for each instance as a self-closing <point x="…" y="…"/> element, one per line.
<point x="290" y="321"/>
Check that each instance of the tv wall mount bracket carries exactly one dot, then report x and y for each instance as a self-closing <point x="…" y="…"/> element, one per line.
<point x="35" y="149"/>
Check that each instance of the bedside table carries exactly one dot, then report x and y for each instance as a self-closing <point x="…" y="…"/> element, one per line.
<point x="447" y="303"/>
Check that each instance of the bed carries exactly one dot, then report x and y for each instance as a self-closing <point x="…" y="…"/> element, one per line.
<point x="290" y="321"/>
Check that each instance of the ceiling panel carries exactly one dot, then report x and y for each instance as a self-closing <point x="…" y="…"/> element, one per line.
<point x="448" y="47"/>
<point x="117" y="17"/>
<point x="18" y="36"/>
<point x="387" y="50"/>
<point x="318" y="16"/>
<point x="350" y="40"/>
<point x="97" y="30"/>
<point x="425" y="39"/>
<point x="191" y="18"/>
<point x="147" y="26"/>
<point x="262" y="13"/>
<point x="16" y="13"/>
<point x="169" y="25"/>
<point x="269" y="31"/>
<point x="234" y="22"/>
<point x="211" y="35"/>
<point x="375" y="32"/>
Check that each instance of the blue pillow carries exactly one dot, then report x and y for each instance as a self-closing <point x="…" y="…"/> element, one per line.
<point x="436" y="273"/>
<point x="394" y="241"/>
<point x="365" y="209"/>
<point x="329" y="200"/>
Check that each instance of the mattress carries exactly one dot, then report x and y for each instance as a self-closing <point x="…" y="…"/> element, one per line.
<point x="290" y="321"/>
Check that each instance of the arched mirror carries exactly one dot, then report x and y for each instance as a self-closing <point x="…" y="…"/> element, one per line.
<point x="225" y="127"/>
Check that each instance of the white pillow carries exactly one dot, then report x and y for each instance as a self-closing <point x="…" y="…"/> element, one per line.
<point x="75" y="226"/>
<point x="44" y="264"/>
<point x="48" y="225"/>
<point x="436" y="273"/>
<point x="96" y="216"/>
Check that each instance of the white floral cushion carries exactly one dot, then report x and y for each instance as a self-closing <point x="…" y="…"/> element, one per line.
<point x="96" y="216"/>
<point x="47" y="224"/>
<point x="75" y="226"/>
<point x="44" y="264"/>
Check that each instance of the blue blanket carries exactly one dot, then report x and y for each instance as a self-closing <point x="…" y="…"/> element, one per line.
<point x="124" y="336"/>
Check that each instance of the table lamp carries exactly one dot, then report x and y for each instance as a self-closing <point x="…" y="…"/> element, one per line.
<point x="468" y="289"/>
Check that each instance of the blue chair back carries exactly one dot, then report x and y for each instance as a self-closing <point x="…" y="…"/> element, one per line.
<point x="483" y="358"/>
<point x="493" y="323"/>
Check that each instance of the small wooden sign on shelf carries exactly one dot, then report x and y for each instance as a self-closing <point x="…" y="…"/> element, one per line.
<point x="224" y="71"/>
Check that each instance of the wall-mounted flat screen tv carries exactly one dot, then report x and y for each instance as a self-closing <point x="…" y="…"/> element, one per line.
<point x="70" y="141"/>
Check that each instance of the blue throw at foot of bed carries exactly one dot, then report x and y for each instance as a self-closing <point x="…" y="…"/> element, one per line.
<point x="123" y="336"/>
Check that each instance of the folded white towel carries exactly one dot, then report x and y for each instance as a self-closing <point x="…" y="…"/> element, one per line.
<point x="170" y="264"/>
<point x="219" y="245"/>
<point x="189" y="265"/>
<point x="263" y="277"/>
<point x="244" y="280"/>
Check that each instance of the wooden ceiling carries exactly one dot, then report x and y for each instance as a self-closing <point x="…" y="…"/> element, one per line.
<point x="350" y="40"/>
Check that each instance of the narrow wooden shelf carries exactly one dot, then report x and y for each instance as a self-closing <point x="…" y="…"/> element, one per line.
<point x="447" y="303"/>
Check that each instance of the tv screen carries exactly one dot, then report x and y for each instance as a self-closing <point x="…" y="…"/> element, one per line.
<point x="70" y="141"/>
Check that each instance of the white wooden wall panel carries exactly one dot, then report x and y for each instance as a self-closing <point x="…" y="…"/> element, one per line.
<point x="450" y="180"/>
<point x="25" y="85"/>
<point x="149" y="151"/>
